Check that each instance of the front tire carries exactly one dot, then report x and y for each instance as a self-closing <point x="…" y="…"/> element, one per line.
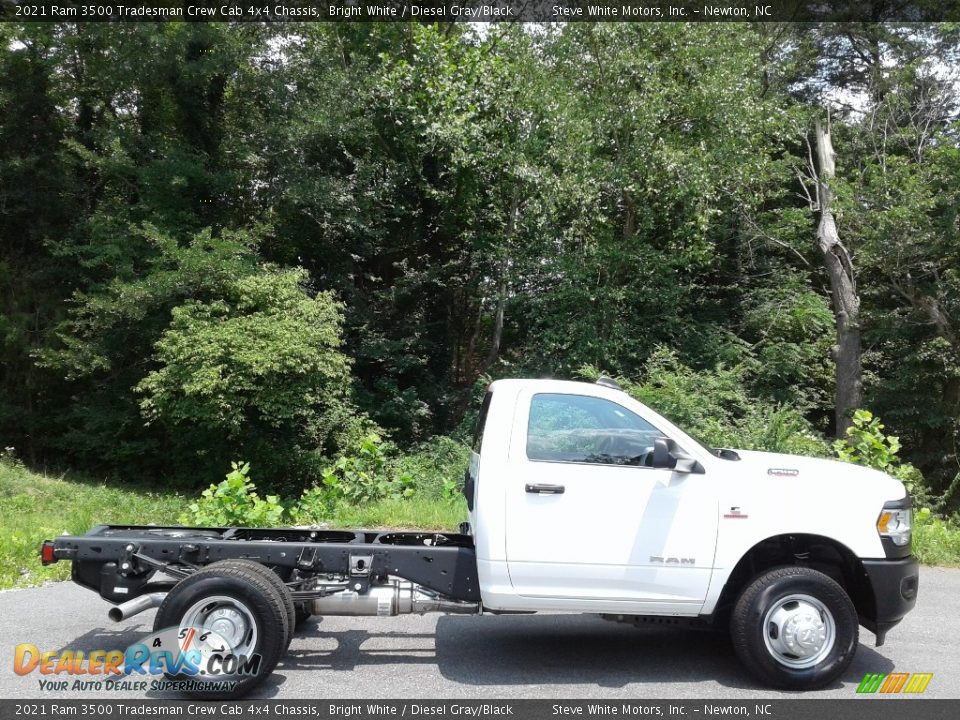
<point x="794" y="628"/>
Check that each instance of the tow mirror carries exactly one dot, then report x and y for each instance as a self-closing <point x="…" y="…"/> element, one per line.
<point x="662" y="457"/>
<point x="666" y="454"/>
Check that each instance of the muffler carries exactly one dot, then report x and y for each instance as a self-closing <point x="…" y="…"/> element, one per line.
<point x="398" y="597"/>
<point x="135" y="606"/>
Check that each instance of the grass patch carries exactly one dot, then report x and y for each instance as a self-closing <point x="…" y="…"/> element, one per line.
<point x="406" y="514"/>
<point x="936" y="541"/>
<point x="34" y="508"/>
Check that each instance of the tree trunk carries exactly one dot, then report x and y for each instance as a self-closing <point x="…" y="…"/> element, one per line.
<point x="846" y="303"/>
<point x="497" y="322"/>
<point x="512" y="218"/>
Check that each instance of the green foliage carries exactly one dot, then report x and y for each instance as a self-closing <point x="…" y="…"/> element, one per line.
<point x="222" y="241"/>
<point x="35" y="507"/>
<point x="791" y="328"/>
<point x="866" y="443"/>
<point x="235" y="502"/>
<point x="935" y="541"/>
<point x="257" y="370"/>
<point x="714" y="405"/>
<point x="436" y="467"/>
<point x="415" y="513"/>
<point x="8" y="458"/>
<point x="360" y="476"/>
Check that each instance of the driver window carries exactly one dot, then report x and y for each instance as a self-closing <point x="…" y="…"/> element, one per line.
<point x="575" y="428"/>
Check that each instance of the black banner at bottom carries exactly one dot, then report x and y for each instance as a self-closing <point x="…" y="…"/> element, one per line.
<point x="856" y="708"/>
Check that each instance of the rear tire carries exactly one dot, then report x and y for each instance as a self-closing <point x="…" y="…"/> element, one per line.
<point x="794" y="628"/>
<point x="282" y="590"/>
<point x="255" y="612"/>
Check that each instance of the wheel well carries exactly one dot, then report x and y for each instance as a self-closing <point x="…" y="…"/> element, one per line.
<point x="814" y="551"/>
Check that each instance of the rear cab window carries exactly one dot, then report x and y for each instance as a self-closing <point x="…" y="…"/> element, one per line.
<point x="481" y="422"/>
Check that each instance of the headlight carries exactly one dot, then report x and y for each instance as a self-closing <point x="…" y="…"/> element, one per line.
<point x="895" y="523"/>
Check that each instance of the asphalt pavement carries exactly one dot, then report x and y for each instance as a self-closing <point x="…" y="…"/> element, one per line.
<point x="498" y="657"/>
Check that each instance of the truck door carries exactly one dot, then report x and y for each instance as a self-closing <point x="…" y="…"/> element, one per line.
<point x="588" y="518"/>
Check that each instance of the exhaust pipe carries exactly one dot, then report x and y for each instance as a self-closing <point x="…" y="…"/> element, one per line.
<point x="394" y="598"/>
<point x="135" y="606"/>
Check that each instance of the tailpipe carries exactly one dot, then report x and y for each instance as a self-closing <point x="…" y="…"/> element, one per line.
<point x="394" y="598"/>
<point x="135" y="606"/>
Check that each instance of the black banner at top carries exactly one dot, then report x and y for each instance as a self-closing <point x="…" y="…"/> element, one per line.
<point x="480" y="10"/>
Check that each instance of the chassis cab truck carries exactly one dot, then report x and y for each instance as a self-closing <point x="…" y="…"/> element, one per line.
<point x="580" y="499"/>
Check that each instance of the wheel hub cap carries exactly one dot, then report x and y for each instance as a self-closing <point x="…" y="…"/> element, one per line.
<point x="228" y="623"/>
<point x="799" y="631"/>
<point x="228" y="618"/>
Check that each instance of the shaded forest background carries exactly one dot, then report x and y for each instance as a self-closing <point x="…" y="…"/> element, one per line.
<point x="268" y="241"/>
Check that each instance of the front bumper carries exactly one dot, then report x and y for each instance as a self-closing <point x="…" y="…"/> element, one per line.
<point x="894" y="584"/>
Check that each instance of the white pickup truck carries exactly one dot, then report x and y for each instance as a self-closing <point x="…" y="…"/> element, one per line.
<point x="580" y="499"/>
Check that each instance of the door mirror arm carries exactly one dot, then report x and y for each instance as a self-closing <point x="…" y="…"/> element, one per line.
<point x="667" y="455"/>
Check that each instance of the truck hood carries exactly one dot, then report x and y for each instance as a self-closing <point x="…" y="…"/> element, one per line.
<point x="834" y="476"/>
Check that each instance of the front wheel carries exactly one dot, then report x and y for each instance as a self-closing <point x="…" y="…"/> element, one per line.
<point x="794" y="628"/>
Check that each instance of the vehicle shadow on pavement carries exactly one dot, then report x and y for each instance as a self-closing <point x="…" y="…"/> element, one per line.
<point x="116" y="637"/>
<point x="572" y="649"/>
<point x="546" y="650"/>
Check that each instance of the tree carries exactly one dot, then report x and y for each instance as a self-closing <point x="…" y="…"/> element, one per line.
<point x="848" y="392"/>
<point x="255" y="373"/>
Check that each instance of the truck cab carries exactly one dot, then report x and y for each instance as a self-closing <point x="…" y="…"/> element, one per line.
<point x="581" y="498"/>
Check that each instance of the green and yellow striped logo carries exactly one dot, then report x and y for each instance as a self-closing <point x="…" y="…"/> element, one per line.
<point x="892" y="683"/>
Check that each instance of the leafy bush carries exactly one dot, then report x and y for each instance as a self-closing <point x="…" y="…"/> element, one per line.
<point x="790" y="328"/>
<point x="257" y="371"/>
<point x="8" y="458"/>
<point x="935" y="541"/>
<point x="436" y="467"/>
<point x="356" y="478"/>
<point x="235" y="502"/>
<point x="779" y="428"/>
<point x="714" y="405"/>
<point x="866" y="444"/>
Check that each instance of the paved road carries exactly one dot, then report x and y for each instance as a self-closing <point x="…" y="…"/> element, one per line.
<point x="463" y="657"/>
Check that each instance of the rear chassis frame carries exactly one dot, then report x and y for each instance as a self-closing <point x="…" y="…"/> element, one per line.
<point x="122" y="562"/>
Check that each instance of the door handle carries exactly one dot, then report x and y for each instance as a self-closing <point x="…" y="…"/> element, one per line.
<point x="545" y="489"/>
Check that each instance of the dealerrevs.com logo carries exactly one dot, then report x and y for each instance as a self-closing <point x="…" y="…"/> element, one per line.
<point x="185" y="658"/>
<point x="894" y="683"/>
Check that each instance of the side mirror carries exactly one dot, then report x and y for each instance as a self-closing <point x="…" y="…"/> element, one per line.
<point x="667" y="455"/>
<point x="662" y="455"/>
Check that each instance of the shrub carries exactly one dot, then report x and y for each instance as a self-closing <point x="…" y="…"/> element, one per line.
<point x="714" y="405"/>
<point x="935" y="541"/>
<point x="8" y="458"/>
<point x="435" y="466"/>
<point x="866" y="444"/>
<point x="257" y="371"/>
<point x="235" y="502"/>
<point x="779" y="428"/>
<point x="356" y="478"/>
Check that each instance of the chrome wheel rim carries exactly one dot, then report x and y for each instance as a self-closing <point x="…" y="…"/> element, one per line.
<point x="799" y="631"/>
<point x="229" y="618"/>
